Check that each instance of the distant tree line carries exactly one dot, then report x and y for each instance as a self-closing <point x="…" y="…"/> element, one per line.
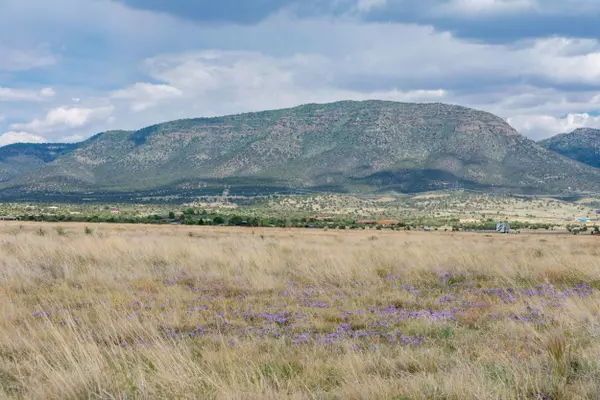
<point x="191" y="216"/>
<point x="491" y="225"/>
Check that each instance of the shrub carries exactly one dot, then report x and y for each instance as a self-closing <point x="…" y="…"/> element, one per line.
<point x="87" y="230"/>
<point x="236" y="220"/>
<point x="61" y="231"/>
<point x="41" y="232"/>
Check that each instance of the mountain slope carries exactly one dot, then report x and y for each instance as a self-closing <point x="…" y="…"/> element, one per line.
<point x="371" y="145"/>
<point x="582" y="145"/>
<point x="17" y="159"/>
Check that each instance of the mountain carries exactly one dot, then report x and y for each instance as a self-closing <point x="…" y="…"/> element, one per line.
<point x="582" y="145"/>
<point x="344" y="146"/>
<point x="16" y="159"/>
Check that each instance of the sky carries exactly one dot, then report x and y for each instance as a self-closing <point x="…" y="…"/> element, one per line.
<point x="72" y="68"/>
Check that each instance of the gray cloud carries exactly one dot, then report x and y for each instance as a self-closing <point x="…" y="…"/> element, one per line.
<point x="495" y="21"/>
<point x="249" y="11"/>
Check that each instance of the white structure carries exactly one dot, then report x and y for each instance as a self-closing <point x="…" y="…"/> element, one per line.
<point x="503" y="227"/>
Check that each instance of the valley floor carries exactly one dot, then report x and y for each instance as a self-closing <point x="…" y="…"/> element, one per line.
<point x="130" y="311"/>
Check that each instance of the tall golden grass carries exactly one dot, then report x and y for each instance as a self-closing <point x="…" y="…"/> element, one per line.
<point x="128" y="312"/>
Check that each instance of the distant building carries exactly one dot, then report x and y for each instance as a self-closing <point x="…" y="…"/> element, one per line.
<point x="115" y="211"/>
<point x="503" y="227"/>
<point x="5" y="218"/>
<point x="179" y="213"/>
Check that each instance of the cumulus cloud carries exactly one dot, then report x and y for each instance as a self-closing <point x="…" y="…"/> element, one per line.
<point x="216" y="82"/>
<point x="66" y="117"/>
<point x="566" y="60"/>
<point x="12" y="137"/>
<point x="47" y="92"/>
<point x="541" y="126"/>
<point x="477" y="7"/>
<point x="146" y="95"/>
<point x="11" y="94"/>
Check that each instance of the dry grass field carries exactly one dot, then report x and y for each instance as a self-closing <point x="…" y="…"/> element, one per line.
<point x="136" y="312"/>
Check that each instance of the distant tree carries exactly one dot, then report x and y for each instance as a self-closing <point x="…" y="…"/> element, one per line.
<point x="218" y="220"/>
<point x="171" y="215"/>
<point x="254" y="222"/>
<point x="236" y="220"/>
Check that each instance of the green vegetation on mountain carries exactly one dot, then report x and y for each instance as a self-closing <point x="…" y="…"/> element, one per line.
<point x="344" y="146"/>
<point x="16" y="159"/>
<point x="582" y="145"/>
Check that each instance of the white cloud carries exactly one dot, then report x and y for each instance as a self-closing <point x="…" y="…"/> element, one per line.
<point x="146" y="95"/>
<point x="214" y="83"/>
<point x="541" y="126"/>
<point x="565" y="60"/>
<point x="368" y="5"/>
<point x="66" y="117"/>
<point x="47" y="92"/>
<point x="478" y="7"/>
<point x="72" y="139"/>
<point x="10" y="94"/>
<point x="20" y="137"/>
